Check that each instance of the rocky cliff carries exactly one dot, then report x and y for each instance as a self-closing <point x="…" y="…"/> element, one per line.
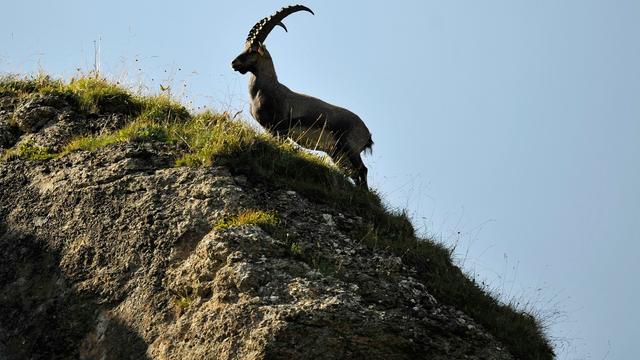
<point x="116" y="250"/>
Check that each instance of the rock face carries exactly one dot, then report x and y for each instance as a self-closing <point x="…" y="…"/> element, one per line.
<point x="114" y="254"/>
<point x="49" y="120"/>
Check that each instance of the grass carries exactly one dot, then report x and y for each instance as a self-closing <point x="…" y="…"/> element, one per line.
<point x="29" y="151"/>
<point x="519" y="331"/>
<point x="161" y="108"/>
<point x="267" y="220"/>
<point x="210" y="138"/>
<point x="183" y="299"/>
<point x="295" y="249"/>
<point x="136" y="131"/>
<point x="91" y="94"/>
<point x="95" y="94"/>
<point x="17" y="85"/>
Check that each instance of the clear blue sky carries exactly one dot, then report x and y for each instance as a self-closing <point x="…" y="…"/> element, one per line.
<point x="509" y="128"/>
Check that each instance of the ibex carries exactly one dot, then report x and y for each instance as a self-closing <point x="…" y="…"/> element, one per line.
<point x="310" y="122"/>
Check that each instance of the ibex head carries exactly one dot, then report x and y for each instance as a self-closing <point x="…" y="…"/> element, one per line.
<point x="254" y="49"/>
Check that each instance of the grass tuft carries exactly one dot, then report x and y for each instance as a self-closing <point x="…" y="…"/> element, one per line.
<point x="29" y="151"/>
<point x="161" y="108"/>
<point x="136" y="131"/>
<point x="17" y="85"/>
<point x="267" y="220"/>
<point x="96" y="94"/>
<point x="91" y="93"/>
<point x="210" y="137"/>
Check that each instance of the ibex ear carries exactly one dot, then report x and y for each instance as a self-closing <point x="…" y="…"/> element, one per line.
<point x="261" y="49"/>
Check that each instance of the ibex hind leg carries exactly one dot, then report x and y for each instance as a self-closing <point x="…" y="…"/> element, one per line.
<point x="360" y="170"/>
<point x="342" y="152"/>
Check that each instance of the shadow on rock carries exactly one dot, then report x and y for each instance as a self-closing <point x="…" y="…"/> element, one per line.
<point x="43" y="317"/>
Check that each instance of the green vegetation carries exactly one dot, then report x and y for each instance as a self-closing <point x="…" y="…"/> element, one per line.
<point x="138" y="130"/>
<point x="211" y="138"/>
<point x="268" y="220"/>
<point x="95" y="94"/>
<point x="22" y="85"/>
<point x="161" y="108"/>
<point x="91" y="94"/>
<point x="182" y="302"/>
<point x="29" y="151"/>
<point x="519" y="331"/>
<point x="182" y="299"/>
<point x="294" y="249"/>
<point x="215" y="139"/>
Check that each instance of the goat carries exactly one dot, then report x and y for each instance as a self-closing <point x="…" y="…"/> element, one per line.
<point x="310" y="122"/>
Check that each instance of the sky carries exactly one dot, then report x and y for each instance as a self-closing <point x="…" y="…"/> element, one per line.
<point x="509" y="130"/>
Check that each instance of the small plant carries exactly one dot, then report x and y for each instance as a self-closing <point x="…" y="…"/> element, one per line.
<point x="267" y="220"/>
<point x="295" y="249"/>
<point x="182" y="299"/>
<point x="182" y="302"/>
<point x="29" y="151"/>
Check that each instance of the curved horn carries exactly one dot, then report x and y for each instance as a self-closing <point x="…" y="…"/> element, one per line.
<point x="262" y="28"/>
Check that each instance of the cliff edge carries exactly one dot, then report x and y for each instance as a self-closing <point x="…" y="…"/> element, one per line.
<point x="130" y="228"/>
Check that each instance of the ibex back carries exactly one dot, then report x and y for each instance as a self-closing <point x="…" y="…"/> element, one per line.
<point x="308" y="121"/>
